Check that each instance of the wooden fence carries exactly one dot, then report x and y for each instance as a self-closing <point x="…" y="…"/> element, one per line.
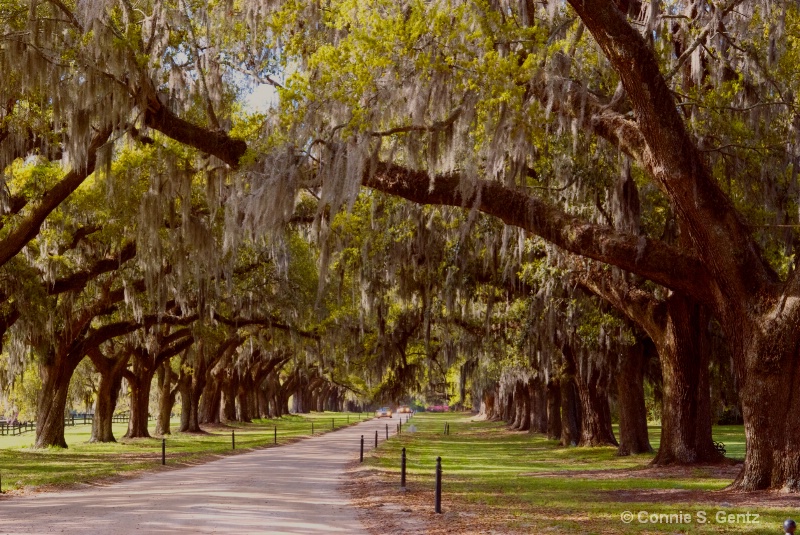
<point x="18" y="428"/>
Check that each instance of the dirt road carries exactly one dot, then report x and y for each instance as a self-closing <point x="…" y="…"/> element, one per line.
<point x="289" y="489"/>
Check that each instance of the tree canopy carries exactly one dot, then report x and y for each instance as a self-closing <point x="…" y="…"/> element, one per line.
<point x="605" y="180"/>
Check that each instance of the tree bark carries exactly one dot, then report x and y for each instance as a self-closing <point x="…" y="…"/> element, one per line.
<point x="686" y="404"/>
<point x="166" y="398"/>
<point x="570" y="412"/>
<point x="538" y="396"/>
<point x="521" y="406"/>
<point x="111" y="370"/>
<point x="770" y="404"/>
<point x="591" y="383"/>
<point x="229" y="397"/>
<point x="189" y="405"/>
<point x="210" y="402"/>
<point x="52" y="402"/>
<point x="553" y="409"/>
<point x="633" y="435"/>
<point x="244" y="402"/>
<point x="596" y="429"/>
<point x="107" y="395"/>
<point x="140" y="381"/>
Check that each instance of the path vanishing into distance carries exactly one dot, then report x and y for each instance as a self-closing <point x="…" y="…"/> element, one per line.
<point x="290" y="489"/>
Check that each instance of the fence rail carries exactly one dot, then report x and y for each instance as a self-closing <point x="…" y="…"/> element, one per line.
<point x="18" y="428"/>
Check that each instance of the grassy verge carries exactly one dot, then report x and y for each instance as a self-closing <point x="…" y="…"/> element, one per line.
<point x="513" y="482"/>
<point x="22" y="466"/>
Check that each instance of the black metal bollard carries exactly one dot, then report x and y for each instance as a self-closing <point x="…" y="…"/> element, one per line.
<point x="399" y="427"/>
<point x="444" y="431"/>
<point x="387" y="431"/>
<point x="376" y="438"/>
<point x="163" y="451"/>
<point x="438" y="504"/>
<point x="1" y="484"/>
<point x="333" y="424"/>
<point x="312" y="428"/>
<point x="233" y="439"/>
<point x="361" y="458"/>
<point x="276" y="435"/>
<point x="348" y="418"/>
<point x="403" y="470"/>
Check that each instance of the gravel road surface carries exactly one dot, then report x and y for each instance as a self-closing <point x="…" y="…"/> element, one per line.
<point x="288" y="489"/>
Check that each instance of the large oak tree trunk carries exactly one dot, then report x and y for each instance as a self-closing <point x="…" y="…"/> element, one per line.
<point x="111" y="370"/>
<point x="166" y="398"/>
<point x="107" y="395"/>
<point x="140" y="382"/>
<point x="244" y="398"/>
<point x="592" y="386"/>
<point x="768" y="372"/>
<point x="633" y="436"/>
<point x="596" y="429"/>
<point x="189" y="407"/>
<point x="263" y="403"/>
<point x="538" y="396"/>
<point x="52" y="402"/>
<point x="244" y="406"/>
<point x="686" y="403"/>
<point x="553" y="409"/>
<point x="570" y="412"/>
<point x="520" y="406"/>
<point x="210" y="402"/>
<point x="229" y="397"/>
<point x="192" y="385"/>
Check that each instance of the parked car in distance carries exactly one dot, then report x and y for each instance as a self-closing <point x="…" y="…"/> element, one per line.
<point x="383" y="411"/>
<point x="404" y="409"/>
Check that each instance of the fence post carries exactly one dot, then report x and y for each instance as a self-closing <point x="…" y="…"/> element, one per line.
<point x="163" y="451"/>
<point x="312" y="428"/>
<point x="438" y="504"/>
<point x="387" y="431"/>
<point x="361" y="458"/>
<point x="333" y="424"/>
<point x="403" y="470"/>
<point x="233" y="439"/>
<point x="399" y="427"/>
<point x="376" y="438"/>
<point x="276" y="434"/>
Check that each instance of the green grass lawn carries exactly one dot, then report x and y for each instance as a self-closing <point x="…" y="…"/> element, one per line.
<point x="22" y="466"/>
<point x="528" y="484"/>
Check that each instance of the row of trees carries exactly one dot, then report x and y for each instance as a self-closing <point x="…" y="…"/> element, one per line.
<point x="653" y="146"/>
